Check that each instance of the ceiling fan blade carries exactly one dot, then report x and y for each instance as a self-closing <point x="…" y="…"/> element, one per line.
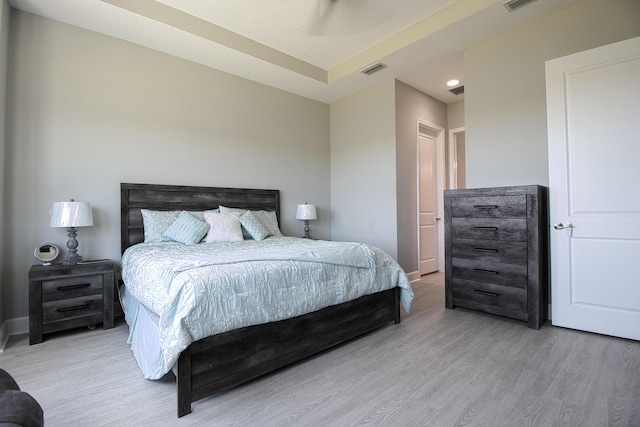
<point x="322" y="16"/>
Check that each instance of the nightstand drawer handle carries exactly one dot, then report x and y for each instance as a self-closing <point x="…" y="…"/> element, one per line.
<point x="481" y="270"/>
<point x="73" y="307"/>
<point x="485" y="206"/>
<point x="487" y="228"/>
<point x="487" y="293"/>
<point x="495" y="251"/>
<point x="72" y="287"/>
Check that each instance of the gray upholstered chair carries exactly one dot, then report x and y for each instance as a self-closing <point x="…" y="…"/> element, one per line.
<point x="17" y="408"/>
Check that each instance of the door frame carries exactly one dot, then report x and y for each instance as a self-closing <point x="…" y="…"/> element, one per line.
<point x="440" y="182"/>
<point x="452" y="151"/>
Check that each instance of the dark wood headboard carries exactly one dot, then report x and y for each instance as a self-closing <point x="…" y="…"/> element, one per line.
<point x="134" y="197"/>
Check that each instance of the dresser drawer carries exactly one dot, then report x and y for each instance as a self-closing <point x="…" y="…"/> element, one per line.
<point x="512" y="275"/>
<point x="53" y="311"/>
<point x="507" y="206"/>
<point x="491" y="298"/>
<point x="490" y="250"/>
<point x="514" y="229"/>
<point x="71" y="287"/>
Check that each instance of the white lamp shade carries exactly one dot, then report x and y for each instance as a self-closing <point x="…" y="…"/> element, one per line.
<point x="306" y="212"/>
<point x="71" y="214"/>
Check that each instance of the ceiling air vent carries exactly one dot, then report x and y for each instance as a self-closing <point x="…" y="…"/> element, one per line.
<point x="457" y="90"/>
<point x="512" y="5"/>
<point x="373" y="68"/>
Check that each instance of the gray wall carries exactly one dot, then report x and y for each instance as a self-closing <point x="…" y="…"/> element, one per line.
<point x="455" y="115"/>
<point x="374" y="170"/>
<point x="363" y="173"/>
<point x="87" y="112"/>
<point x="4" y="46"/>
<point x="411" y="106"/>
<point x="505" y="103"/>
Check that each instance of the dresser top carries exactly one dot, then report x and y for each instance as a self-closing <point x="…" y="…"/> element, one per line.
<point x="496" y="191"/>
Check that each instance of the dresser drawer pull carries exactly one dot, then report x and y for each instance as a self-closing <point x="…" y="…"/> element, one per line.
<point x="487" y="228"/>
<point x="487" y="293"/>
<point x="72" y="287"/>
<point x="493" y="251"/>
<point x="485" y="206"/>
<point x="481" y="270"/>
<point x="73" y="307"/>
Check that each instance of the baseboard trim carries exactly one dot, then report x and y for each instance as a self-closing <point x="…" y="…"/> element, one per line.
<point x="17" y="326"/>
<point x="4" y="335"/>
<point x="414" y="276"/>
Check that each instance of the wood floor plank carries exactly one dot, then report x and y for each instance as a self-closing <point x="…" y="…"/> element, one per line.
<point x="438" y="367"/>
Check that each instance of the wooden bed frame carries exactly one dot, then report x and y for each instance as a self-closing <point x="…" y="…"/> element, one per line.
<point x="219" y="362"/>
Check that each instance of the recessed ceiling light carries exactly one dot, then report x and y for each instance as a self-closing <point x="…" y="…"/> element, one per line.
<point x="453" y="82"/>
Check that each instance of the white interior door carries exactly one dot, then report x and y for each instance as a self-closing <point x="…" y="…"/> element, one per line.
<point x="593" y="107"/>
<point x="427" y="202"/>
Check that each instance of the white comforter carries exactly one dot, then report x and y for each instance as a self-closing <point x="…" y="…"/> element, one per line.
<point x="201" y="290"/>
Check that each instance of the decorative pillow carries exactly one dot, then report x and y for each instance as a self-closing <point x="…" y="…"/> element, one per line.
<point x="156" y="223"/>
<point x="223" y="227"/>
<point x="254" y="226"/>
<point x="224" y="209"/>
<point x="187" y="229"/>
<point x="268" y="219"/>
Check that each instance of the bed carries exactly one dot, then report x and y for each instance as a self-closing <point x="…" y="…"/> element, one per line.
<point x="210" y="364"/>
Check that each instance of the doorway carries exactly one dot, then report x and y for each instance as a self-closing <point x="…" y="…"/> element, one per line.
<point x="431" y="182"/>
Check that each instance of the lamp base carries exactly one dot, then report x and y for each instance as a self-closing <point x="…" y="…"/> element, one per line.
<point x="306" y="230"/>
<point x="71" y="259"/>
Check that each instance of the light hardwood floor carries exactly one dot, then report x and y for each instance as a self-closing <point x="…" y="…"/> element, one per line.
<point x="437" y="368"/>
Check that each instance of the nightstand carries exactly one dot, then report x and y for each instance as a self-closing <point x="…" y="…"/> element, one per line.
<point x="63" y="297"/>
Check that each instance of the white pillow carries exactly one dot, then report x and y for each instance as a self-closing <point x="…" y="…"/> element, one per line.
<point x="223" y="227"/>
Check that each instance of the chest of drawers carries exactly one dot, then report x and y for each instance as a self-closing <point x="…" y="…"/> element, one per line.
<point x="496" y="251"/>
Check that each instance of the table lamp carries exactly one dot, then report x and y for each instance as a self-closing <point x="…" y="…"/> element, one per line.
<point x="306" y="213"/>
<point x="70" y="215"/>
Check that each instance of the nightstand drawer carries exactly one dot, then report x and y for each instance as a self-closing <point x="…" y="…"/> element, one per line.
<point x="507" y="206"/>
<point x="72" y="308"/>
<point x="512" y="275"/>
<point x="491" y="298"/>
<point x="514" y="229"/>
<point x="71" y="287"/>
<point x="490" y="250"/>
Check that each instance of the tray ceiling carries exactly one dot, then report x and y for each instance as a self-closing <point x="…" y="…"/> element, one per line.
<point x="314" y="48"/>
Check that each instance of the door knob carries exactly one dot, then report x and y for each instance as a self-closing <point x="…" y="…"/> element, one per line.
<point x="560" y="226"/>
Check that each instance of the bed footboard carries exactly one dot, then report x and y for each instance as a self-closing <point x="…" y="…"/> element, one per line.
<point x="219" y="362"/>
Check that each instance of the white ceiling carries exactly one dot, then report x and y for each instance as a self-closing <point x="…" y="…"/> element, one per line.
<point x="314" y="48"/>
